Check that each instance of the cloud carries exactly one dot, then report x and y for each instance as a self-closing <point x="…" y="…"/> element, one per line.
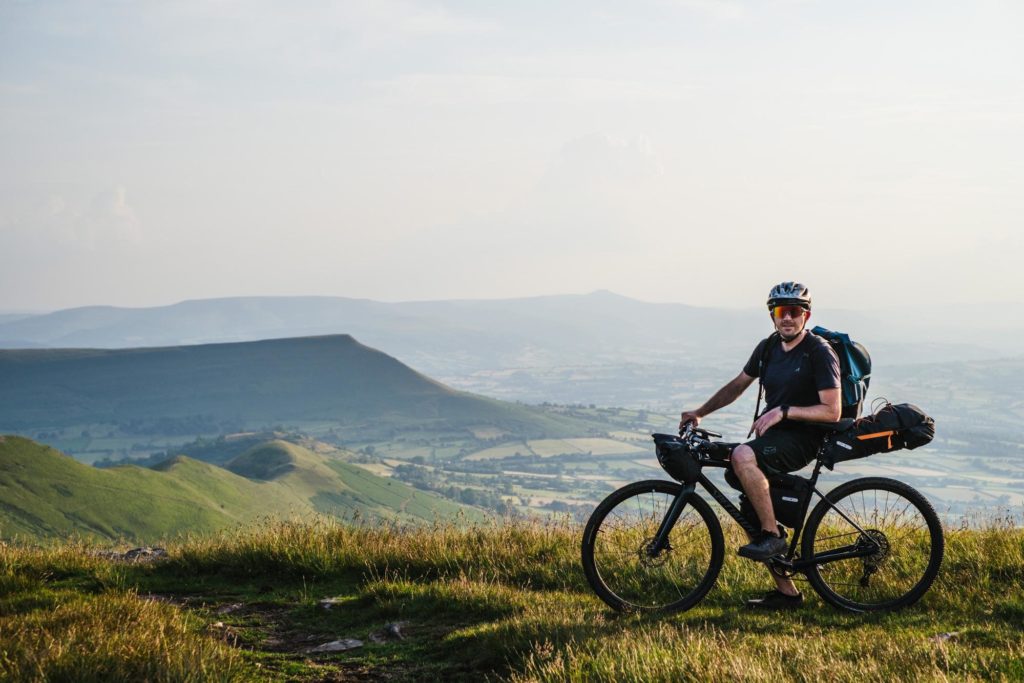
<point x="461" y="89"/>
<point x="715" y="9"/>
<point x="69" y="219"/>
<point x="109" y="218"/>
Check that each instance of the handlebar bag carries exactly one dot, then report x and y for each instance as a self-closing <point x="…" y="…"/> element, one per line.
<point x="892" y="428"/>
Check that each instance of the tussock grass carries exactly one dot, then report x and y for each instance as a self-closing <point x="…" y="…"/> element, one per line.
<point x="67" y="614"/>
<point x="503" y="600"/>
<point x="113" y="637"/>
<point x="526" y="554"/>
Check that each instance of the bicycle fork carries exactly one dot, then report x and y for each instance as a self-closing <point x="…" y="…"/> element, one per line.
<point x="660" y="541"/>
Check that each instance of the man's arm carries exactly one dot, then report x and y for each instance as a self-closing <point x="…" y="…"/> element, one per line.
<point x="723" y="397"/>
<point x="828" y="410"/>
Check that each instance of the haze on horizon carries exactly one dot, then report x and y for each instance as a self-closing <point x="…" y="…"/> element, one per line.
<point x="694" y="151"/>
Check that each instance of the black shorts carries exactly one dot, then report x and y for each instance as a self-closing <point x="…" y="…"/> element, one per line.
<point x="786" y="449"/>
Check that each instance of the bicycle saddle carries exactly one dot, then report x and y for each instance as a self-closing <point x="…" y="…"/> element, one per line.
<point x="831" y="427"/>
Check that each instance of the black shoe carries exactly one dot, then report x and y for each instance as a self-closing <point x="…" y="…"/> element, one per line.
<point x="767" y="545"/>
<point x="776" y="600"/>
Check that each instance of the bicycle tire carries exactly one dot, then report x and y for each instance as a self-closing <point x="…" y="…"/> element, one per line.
<point x="614" y="544"/>
<point x="904" y="524"/>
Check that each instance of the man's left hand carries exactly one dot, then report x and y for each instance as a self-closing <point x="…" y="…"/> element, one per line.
<point x="767" y="421"/>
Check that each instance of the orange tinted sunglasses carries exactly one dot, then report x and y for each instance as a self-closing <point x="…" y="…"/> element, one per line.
<point x="780" y="312"/>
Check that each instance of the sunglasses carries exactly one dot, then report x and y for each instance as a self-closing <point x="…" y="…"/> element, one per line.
<point x="780" y="312"/>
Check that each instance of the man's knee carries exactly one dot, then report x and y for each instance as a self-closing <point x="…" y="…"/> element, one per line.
<point x="743" y="456"/>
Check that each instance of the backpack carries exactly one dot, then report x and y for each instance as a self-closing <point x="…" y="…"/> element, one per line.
<point x="890" y="429"/>
<point x="854" y="370"/>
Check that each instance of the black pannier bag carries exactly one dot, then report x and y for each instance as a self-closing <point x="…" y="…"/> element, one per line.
<point x="787" y="491"/>
<point x="892" y="428"/>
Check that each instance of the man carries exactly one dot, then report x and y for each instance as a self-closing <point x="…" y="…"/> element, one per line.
<point x="801" y="383"/>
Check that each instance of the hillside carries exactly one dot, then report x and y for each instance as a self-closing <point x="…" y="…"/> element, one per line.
<point x="504" y="603"/>
<point x="221" y="387"/>
<point x="333" y="487"/>
<point x="44" y="493"/>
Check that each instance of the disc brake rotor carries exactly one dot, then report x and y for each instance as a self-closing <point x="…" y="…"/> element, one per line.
<point x="646" y="560"/>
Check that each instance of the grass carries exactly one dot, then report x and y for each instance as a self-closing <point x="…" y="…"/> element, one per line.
<point x="44" y="493"/>
<point x="506" y="601"/>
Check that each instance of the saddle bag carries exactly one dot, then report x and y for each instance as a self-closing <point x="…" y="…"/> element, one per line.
<point x="892" y="428"/>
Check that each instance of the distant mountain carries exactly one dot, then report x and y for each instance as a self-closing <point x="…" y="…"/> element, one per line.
<point x="225" y="387"/>
<point x="48" y="494"/>
<point x="458" y="337"/>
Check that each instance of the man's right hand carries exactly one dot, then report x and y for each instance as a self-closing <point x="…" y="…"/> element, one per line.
<point x="688" y="417"/>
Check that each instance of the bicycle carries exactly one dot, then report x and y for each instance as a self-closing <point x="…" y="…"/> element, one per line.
<point x="870" y="544"/>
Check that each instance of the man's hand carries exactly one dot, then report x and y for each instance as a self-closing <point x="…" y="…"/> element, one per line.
<point x="688" y="417"/>
<point x="767" y="421"/>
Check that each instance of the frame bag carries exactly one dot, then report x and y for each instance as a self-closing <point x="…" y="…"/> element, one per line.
<point x="892" y="428"/>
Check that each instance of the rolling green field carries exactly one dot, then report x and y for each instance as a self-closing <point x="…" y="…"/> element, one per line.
<point x="44" y="493"/>
<point x="499" y="602"/>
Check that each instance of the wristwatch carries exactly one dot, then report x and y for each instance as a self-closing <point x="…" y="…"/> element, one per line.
<point x="785" y="412"/>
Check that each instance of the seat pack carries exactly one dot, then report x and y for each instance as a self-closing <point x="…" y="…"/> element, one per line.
<point x="892" y="428"/>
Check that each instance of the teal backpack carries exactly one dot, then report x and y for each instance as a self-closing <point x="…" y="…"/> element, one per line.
<point x="854" y="369"/>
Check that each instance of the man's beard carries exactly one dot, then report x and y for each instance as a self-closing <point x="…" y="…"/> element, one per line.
<point x="790" y="337"/>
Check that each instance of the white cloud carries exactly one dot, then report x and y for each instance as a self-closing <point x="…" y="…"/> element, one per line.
<point x="50" y="221"/>
<point x="458" y="89"/>
<point x="716" y="9"/>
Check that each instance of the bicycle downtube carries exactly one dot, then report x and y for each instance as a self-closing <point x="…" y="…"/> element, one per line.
<point x="660" y="541"/>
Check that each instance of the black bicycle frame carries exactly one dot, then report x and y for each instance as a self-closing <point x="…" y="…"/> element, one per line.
<point x="864" y="547"/>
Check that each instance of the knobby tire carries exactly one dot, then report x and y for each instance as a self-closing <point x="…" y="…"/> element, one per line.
<point x="616" y="536"/>
<point x="899" y="518"/>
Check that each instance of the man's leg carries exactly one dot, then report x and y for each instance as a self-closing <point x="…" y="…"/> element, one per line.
<point x="755" y="485"/>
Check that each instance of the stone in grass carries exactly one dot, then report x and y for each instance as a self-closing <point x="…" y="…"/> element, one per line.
<point x="390" y="632"/>
<point x="337" y="646"/>
<point x="228" y="609"/>
<point x="140" y="554"/>
<point x="328" y="603"/>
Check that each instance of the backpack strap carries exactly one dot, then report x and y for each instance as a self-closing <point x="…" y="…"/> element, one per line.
<point x="769" y="343"/>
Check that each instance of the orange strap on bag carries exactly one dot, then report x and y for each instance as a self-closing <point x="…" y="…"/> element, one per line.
<point x="876" y="435"/>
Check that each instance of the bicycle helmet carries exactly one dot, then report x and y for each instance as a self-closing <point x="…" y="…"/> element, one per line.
<point x="788" y="294"/>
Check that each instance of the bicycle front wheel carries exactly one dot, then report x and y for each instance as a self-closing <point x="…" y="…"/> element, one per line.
<point x="622" y="572"/>
<point x="897" y="522"/>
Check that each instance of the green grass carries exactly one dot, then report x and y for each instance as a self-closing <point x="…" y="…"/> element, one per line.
<point x="44" y="493"/>
<point x="505" y="601"/>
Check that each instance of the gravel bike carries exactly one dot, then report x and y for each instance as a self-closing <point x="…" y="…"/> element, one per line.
<point x="870" y="544"/>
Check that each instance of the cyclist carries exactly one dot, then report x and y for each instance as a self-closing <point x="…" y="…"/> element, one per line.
<point x="801" y="383"/>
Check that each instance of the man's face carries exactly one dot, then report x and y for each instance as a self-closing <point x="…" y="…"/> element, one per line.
<point x="789" y="320"/>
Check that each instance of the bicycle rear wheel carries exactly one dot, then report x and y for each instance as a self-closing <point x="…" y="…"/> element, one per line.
<point x="615" y="558"/>
<point x="898" y="522"/>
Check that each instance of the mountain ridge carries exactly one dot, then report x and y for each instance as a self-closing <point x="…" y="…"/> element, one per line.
<point x="332" y="377"/>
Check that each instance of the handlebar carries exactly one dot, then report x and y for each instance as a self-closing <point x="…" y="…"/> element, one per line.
<point x="689" y="429"/>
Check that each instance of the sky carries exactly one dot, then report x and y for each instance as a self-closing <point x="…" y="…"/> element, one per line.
<point x="693" y="151"/>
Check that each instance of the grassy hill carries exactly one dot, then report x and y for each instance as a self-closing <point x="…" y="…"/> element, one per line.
<point x="504" y="602"/>
<point x="200" y="389"/>
<point x="44" y="493"/>
<point x="338" y="488"/>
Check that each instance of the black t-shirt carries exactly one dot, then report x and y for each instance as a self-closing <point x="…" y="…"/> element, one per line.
<point x="795" y="377"/>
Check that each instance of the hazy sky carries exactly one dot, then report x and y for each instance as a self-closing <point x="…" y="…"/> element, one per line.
<point x="672" y="150"/>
